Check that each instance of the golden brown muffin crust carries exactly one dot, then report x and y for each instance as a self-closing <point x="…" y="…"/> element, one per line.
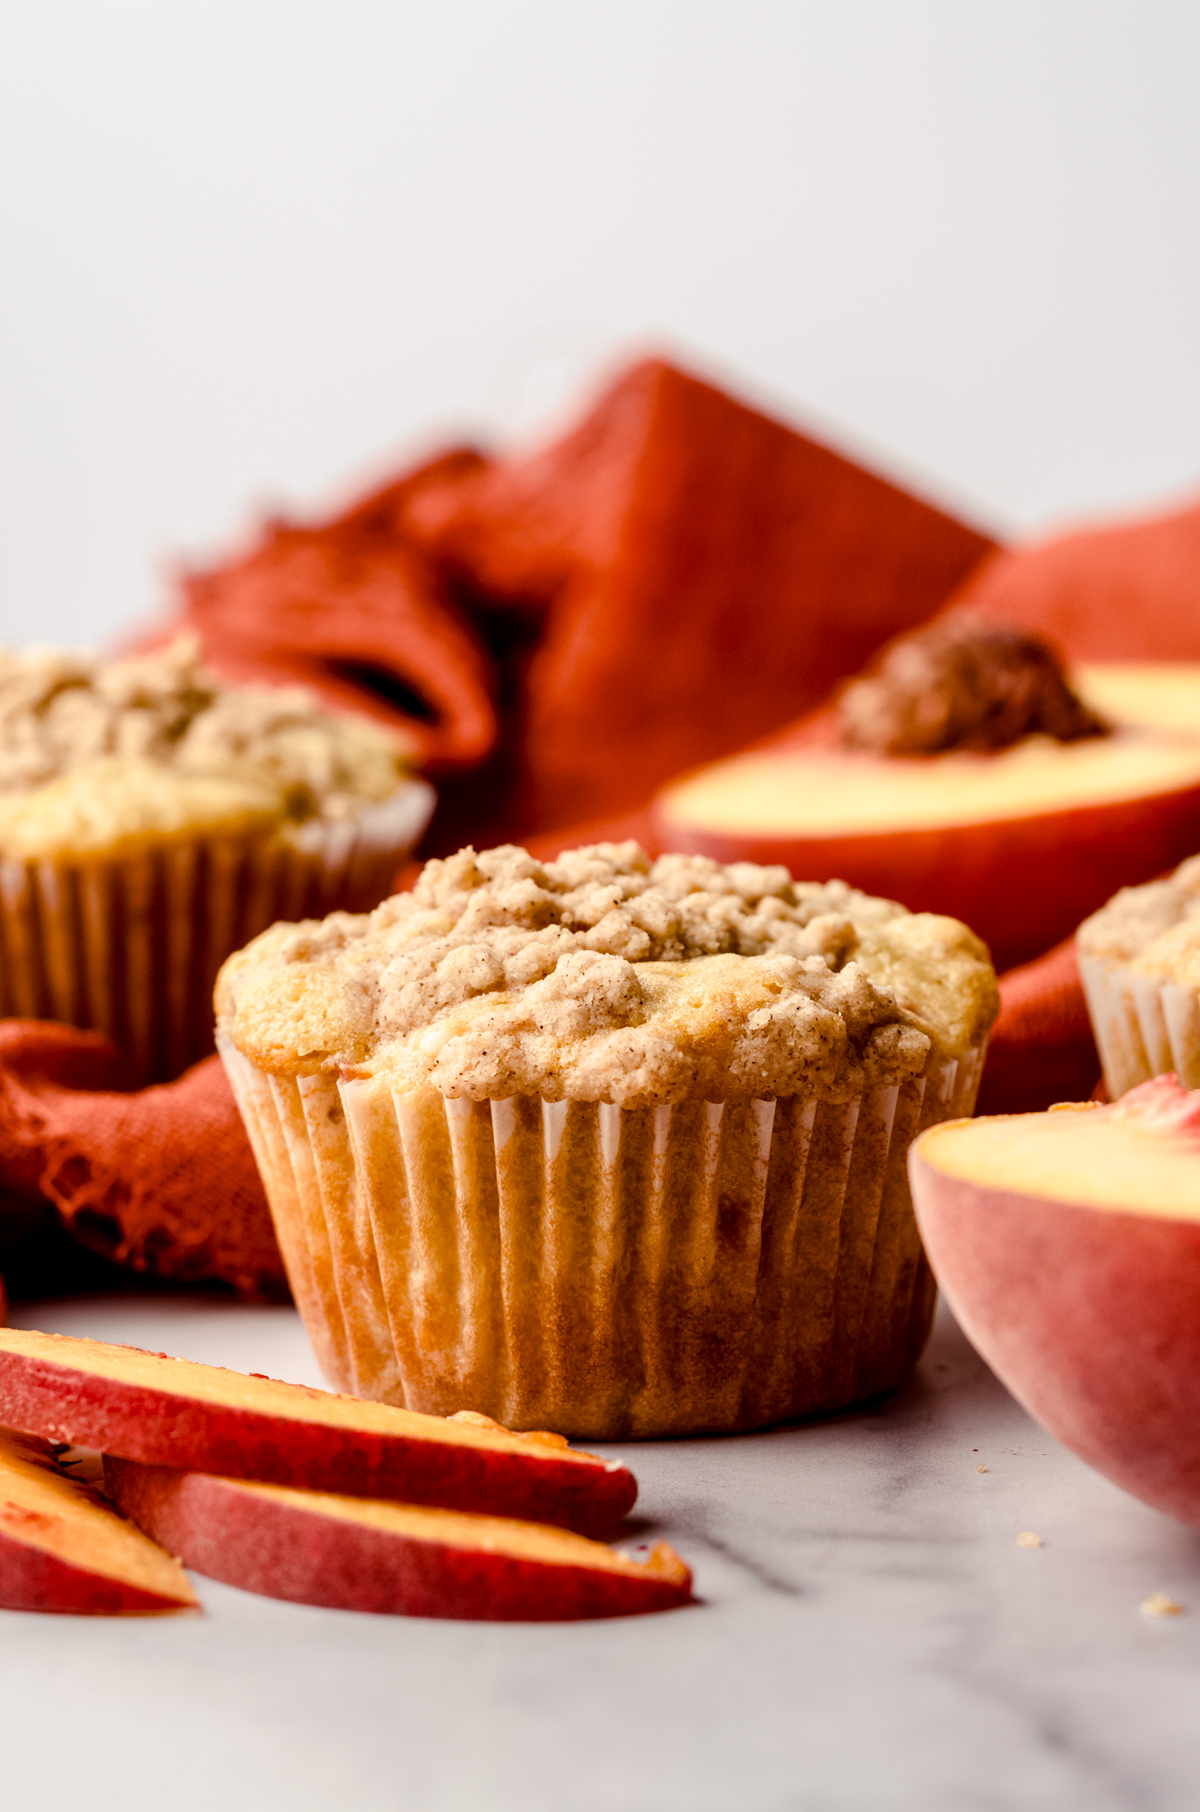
<point x="94" y="751"/>
<point x="606" y="977"/>
<point x="1153" y="929"/>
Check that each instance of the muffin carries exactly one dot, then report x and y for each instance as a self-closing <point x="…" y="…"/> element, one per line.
<point x="1139" y="961"/>
<point x="152" y="819"/>
<point x="604" y="1145"/>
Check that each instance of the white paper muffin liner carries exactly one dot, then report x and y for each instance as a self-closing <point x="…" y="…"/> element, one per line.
<point x="1144" y="1025"/>
<point x="598" y="1270"/>
<point x="130" y="943"/>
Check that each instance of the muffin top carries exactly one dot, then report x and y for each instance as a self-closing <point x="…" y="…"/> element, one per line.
<point x="1152" y="930"/>
<point x="603" y="976"/>
<point x="94" y="752"/>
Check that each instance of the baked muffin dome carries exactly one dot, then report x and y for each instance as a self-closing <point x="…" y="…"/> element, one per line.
<point x="1139" y="961"/>
<point x="1151" y="930"/>
<point x="606" y="1145"/>
<point x="605" y="976"/>
<point x="153" y="818"/>
<point x="95" y="752"/>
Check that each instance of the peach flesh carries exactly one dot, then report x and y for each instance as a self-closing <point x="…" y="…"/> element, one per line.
<point x="63" y="1549"/>
<point x="1163" y="695"/>
<point x="824" y="792"/>
<point x="1068" y="1244"/>
<point x="172" y="1412"/>
<point x="353" y="1554"/>
<point x="958" y="834"/>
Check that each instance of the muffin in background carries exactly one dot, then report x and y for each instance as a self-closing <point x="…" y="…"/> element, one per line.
<point x="603" y="1145"/>
<point x="1139" y="961"/>
<point x="153" y="818"/>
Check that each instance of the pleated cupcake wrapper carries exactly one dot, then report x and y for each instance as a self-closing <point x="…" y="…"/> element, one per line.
<point x="599" y="1270"/>
<point x="1144" y="1026"/>
<point x="130" y="943"/>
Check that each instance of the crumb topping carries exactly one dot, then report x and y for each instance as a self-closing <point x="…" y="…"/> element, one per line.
<point x="1158" y="1604"/>
<point x="1153" y="929"/>
<point x="604" y="976"/>
<point x="963" y="683"/>
<point x="92" y="749"/>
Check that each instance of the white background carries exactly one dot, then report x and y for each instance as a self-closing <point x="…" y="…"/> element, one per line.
<point x="252" y="252"/>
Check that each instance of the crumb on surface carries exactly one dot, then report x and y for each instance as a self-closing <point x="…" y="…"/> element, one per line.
<point x="1159" y="1605"/>
<point x="1027" y="1539"/>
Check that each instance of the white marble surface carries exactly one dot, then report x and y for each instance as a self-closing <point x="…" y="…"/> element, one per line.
<point x="870" y="1636"/>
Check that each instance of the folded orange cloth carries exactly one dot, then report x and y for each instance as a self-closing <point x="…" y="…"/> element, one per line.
<point x="1129" y="591"/>
<point x="1042" y="1049"/>
<point x="161" y="1179"/>
<point x="356" y="610"/>
<point x="675" y="576"/>
<point x="705" y="573"/>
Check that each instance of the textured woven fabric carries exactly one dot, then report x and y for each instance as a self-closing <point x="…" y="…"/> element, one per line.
<point x="675" y="576"/>
<point x="1041" y="1049"/>
<point x="1123" y="591"/>
<point x="352" y="608"/>
<point x="161" y="1179"/>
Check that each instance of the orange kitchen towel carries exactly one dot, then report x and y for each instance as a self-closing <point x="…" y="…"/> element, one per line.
<point x="161" y="1179"/>
<point x="1113" y="592"/>
<point x="702" y="572"/>
<point x="674" y="576"/>
<point x="1042" y="1049"/>
<point x="353" y="608"/>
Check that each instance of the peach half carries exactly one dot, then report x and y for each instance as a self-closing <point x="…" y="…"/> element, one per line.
<point x="63" y="1549"/>
<point x="1161" y="695"/>
<point x="1020" y="844"/>
<point x="1068" y="1245"/>
<point x="172" y="1412"/>
<point x="351" y="1554"/>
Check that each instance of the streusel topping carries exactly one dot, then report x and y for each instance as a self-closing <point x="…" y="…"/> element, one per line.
<point x="604" y="976"/>
<point x="1154" y="929"/>
<point x="93" y="749"/>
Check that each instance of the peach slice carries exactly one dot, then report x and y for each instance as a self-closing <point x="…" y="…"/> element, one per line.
<point x="171" y="1412"/>
<point x="63" y="1549"/>
<point x="962" y="834"/>
<point x="353" y="1554"/>
<point x="1068" y="1244"/>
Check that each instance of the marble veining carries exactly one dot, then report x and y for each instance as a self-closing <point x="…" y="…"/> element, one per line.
<point x="870" y="1636"/>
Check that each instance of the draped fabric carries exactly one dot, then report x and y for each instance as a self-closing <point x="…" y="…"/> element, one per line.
<point x="556" y="634"/>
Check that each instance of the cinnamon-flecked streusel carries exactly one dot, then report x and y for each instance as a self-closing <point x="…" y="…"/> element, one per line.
<point x="1152" y="930"/>
<point x="94" y="750"/>
<point x="604" y="976"/>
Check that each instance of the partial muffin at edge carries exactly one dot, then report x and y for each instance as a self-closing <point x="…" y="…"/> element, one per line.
<point x="153" y="818"/>
<point x="1139" y="961"/>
